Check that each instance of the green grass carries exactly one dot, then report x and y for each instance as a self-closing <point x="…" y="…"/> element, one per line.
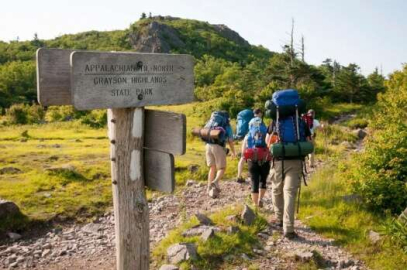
<point x="324" y="210"/>
<point x="86" y="192"/>
<point x="212" y="253"/>
<point x="331" y="110"/>
<point x="41" y="195"/>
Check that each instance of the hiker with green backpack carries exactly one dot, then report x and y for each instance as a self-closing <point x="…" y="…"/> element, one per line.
<point x="290" y="142"/>
<point x="257" y="156"/>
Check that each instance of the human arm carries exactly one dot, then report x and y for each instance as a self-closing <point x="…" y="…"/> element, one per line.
<point x="229" y="134"/>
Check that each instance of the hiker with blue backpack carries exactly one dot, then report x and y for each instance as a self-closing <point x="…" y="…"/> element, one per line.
<point x="257" y="155"/>
<point x="216" y="133"/>
<point x="290" y="142"/>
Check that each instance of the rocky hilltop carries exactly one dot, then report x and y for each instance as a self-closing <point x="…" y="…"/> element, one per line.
<point x="169" y="34"/>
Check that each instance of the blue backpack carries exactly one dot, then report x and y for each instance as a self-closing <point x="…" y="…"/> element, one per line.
<point x="284" y="103"/>
<point x="242" y="125"/>
<point x="287" y="130"/>
<point x="257" y="133"/>
<point x="219" y="120"/>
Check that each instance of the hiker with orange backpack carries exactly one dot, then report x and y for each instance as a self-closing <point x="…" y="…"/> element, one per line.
<point x="258" y="157"/>
<point x="290" y="142"/>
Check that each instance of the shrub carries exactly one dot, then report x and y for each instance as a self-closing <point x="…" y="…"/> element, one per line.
<point x="357" y="123"/>
<point x="17" y="114"/>
<point x="380" y="173"/>
<point x="95" y="119"/>
<point x="36" y="114"/>
<point x="63" y="113"/>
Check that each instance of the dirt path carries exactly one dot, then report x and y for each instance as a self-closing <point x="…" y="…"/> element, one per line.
<point x="91" y="246"/>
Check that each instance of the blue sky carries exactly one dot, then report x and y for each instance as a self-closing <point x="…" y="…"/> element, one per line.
<point x="370" y="33"/>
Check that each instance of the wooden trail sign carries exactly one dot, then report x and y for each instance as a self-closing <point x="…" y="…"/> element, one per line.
<point x="120" y="82"/>
<point x="159" y="170"/>
<point x="165" y="131"/>
<point x="53" y="77"/>
<point x="129" y="200"/>
<point x="123" y="80"/>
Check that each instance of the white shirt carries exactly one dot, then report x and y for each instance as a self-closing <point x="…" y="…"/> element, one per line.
<point x="315" y="125"/>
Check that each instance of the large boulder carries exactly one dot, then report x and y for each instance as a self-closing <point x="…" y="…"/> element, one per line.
<point x="181" y="252"/>
<point x="8" y="208"/>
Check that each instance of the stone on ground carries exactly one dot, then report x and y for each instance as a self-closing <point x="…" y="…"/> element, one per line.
<point x="248" y="216"/>
<point x="207" y="234"/>
<point x="181" y="252"/>
<point x="169" y="267"/>
<point x="10" y="170"/>
<point x="374" y="237"/>
<point x="203" y="219"/>
<point x="8" y="208"/>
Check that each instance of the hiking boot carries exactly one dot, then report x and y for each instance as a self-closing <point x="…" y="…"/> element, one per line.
<point x="290" y="235"/>
<point x="215" y="185"/>
<point x="240" y="180"/>
<point x="276" y="223"/>
<point x="213" y="193"/>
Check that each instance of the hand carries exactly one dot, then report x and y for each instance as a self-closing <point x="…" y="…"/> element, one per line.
<point x="233" y="155"/>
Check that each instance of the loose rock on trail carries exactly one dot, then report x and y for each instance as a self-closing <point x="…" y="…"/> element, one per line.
<point x="92" y="246"/>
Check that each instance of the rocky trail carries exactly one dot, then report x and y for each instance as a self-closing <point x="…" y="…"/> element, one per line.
<point x="92" y="246"/>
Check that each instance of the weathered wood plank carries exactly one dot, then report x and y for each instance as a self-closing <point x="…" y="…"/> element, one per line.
<point x="129" y="200"/>
<point x="165" y="131"/>
<point x="122" y="80"/>
<point x="159" y="171"/>
<point x="53" y="77"/>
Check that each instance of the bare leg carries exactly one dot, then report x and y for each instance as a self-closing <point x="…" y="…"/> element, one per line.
<point x="211" y="175"/>
<point x="262" y="192"/>
<point x="255" y="199"/>
<point x="240" y="168"/>
<point x="219" y="175"/>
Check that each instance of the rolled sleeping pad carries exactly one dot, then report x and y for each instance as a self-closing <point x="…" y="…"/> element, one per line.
<point x="291" y="149"/>
<point x="207" y="133"/>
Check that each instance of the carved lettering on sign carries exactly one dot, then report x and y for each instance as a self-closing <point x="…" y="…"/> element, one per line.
<point x="121" y="80"/>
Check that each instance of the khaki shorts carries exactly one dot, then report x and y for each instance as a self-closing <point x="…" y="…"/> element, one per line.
<point x="215" y="155"/>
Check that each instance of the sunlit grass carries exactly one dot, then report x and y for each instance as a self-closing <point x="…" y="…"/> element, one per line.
<point x="324" y="210"/>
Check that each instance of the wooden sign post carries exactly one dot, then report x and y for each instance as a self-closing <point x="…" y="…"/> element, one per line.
<point x="124" y="83"/>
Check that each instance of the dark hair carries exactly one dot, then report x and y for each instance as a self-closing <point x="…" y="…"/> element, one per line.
<point x="257" y="111"/>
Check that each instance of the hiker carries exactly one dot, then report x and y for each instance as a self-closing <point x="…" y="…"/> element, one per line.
<point x="290" y="144"/>
<point x="257" y="155"/>
<point x="244" y="119"/>
<point x="242" y="127"/>
<point x="216" y="150"/>
<point x="313" y="124"/>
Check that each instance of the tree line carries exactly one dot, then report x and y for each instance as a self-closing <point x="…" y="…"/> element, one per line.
<point x="238" y="75"/>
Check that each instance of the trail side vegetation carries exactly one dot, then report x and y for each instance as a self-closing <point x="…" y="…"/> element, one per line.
<point x="367" y="191"/>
